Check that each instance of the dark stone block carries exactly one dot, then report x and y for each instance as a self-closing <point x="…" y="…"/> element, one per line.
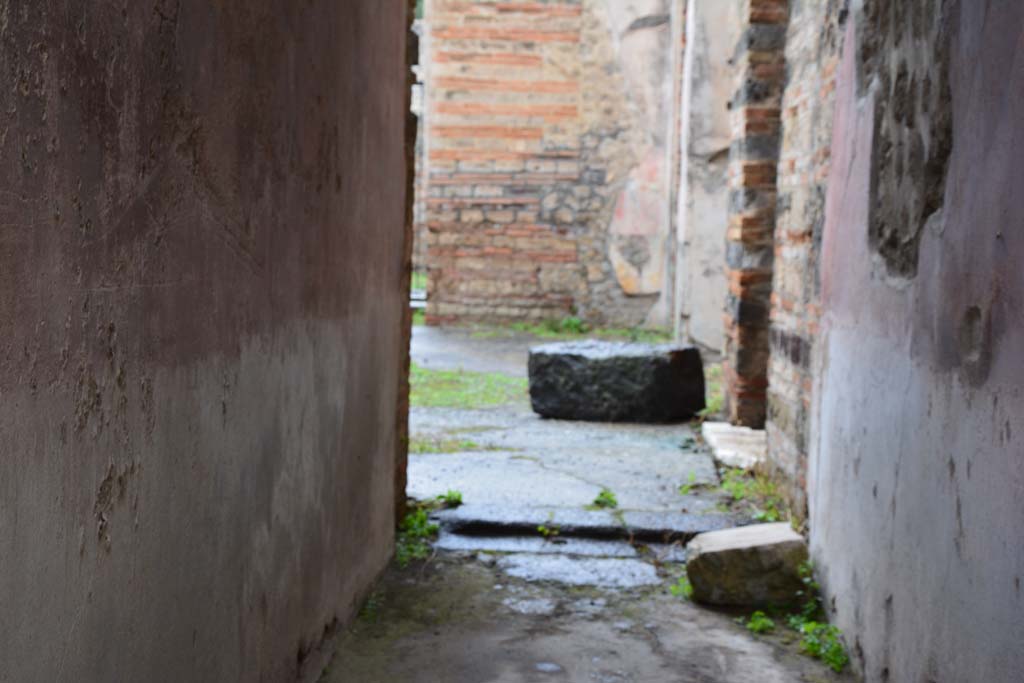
<point x="759" y="147"/>
<point x="616" y="382"/>
<point x="764" y="38"/>
<point x="739" y="256"/>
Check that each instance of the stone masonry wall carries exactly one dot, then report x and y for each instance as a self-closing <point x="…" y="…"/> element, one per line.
<point x="753" y="159"/>
<point x="813" y="43"/>
<point x="547" y="159"/>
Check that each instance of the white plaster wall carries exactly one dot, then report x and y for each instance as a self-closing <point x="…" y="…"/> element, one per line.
<point x="712" y="32"/>
<point x="917" y="466"/>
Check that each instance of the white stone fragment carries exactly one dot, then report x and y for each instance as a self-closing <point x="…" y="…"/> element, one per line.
<point x="734" y="446"/>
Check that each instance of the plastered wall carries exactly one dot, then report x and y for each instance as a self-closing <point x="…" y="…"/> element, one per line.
<point x="917" y="467"/>
<point x="202" y="230"/>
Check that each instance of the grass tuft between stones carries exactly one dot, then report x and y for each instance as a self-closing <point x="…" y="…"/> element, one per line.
<point x="682" y="588"/>
<point x="572" y="327"/>
<point x="416" y="531"/>
<point x="414" y="534"/>
<point x="463" y="389"/>
<point x="605" y="500"/>
<point x="755" y="493"/>
<point x="419" y="445"/>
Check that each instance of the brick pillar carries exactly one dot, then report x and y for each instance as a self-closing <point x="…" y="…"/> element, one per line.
<point x="753" y="159"/>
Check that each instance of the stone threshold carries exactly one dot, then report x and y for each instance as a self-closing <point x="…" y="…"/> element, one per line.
<point x="638" y="525"/>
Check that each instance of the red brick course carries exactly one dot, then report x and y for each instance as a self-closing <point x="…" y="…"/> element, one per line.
<point x="519" y="190"/>
<point x="496" y="148"/>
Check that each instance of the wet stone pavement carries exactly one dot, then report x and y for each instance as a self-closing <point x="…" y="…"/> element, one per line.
<point x="589" y="600"/>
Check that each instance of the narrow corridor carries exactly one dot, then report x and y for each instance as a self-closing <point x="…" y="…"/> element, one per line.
<point x="560" y="563"/>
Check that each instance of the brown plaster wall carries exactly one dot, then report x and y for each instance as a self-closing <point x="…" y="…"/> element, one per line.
<point x="916" y="468"/>
<point x="202" y="226"/>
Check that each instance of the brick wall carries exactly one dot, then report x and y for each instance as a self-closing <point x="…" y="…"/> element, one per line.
<point x="753" y="157"/>
<point x="812" y="54"/>
<point x="536" y="133"/>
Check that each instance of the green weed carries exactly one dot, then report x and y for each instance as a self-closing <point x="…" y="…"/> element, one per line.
<point x="691" y="483"/>
<point x="808" y="598"/>
<point x="573" y="327"/>
<point x="419" y="317"/>
<point x="755" y="493"/>
<point x="452" y="499"/>
<point x="414" y="534"/>
<point x="463" y="389"/>
<point x="553" y="329"/>
<point x="760" y="623"/>
<point x="419" y="445"/>
<point x="817" y="639"/>
<point x="824" y="642"/>
<point x="772" y="514"/>
<point x="605" y="500"/>
<point x="549" y="530"/>
<point x="682" y="588"/>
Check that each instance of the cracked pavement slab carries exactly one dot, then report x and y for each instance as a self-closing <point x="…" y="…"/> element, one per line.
<point x="522" y="459"/>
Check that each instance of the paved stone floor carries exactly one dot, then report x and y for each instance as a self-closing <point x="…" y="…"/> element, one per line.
<point x="458" y="619"/>
<point x="500" y="603"/>
<point x="524" y="460"/>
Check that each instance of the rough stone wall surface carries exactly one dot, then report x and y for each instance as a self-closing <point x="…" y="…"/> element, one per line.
<point x="813" y="43"/>
<point x="547" y="180"/>
<point x="916" y="469"/>
<point x="200" y="359"/>
<point x="753" y="161"/>
<point x="713" y="28"/>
